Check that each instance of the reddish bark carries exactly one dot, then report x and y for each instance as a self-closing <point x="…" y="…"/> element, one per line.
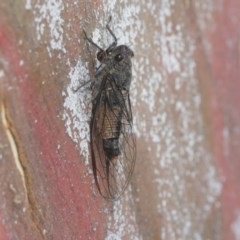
<point x="225" y="108"/>
<point x="56" y="195"/>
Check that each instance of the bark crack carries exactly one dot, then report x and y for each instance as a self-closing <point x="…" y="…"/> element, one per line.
<point x="14" y="145"/>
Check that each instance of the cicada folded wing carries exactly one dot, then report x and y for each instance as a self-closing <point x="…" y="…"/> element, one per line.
<point x="113" y="145"/>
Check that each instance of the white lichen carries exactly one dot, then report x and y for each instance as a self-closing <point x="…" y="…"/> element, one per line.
<point x="77" y="108"/>
<point x="49" y="23"/>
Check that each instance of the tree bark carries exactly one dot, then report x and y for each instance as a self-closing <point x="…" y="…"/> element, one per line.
<point x="185" y="107"/>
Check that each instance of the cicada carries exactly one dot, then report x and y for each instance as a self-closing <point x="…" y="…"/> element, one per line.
<point x="113" y="144"/>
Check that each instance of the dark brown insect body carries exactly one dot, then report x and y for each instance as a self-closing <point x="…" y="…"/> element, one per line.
<point x="112" y="141"/>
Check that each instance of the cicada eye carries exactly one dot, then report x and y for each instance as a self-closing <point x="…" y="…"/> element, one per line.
<point x="101" y="55"/>
<point x="119" y="57"/>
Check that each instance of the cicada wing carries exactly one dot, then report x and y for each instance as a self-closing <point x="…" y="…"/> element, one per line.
<point x="127" y="139"/>
<point x="112" y="175"/>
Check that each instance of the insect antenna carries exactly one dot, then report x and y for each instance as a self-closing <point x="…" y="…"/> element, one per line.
<point x="114" y="44"/>
<point x="91" y="41"/>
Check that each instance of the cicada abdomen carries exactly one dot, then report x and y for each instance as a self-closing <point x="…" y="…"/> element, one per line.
<point x="111" y="131"/>
<point x="113" y="145"/>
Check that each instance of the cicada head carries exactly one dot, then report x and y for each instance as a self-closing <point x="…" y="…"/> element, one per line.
<point x="115" y="55"/>
<point x="122" y="52"/>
